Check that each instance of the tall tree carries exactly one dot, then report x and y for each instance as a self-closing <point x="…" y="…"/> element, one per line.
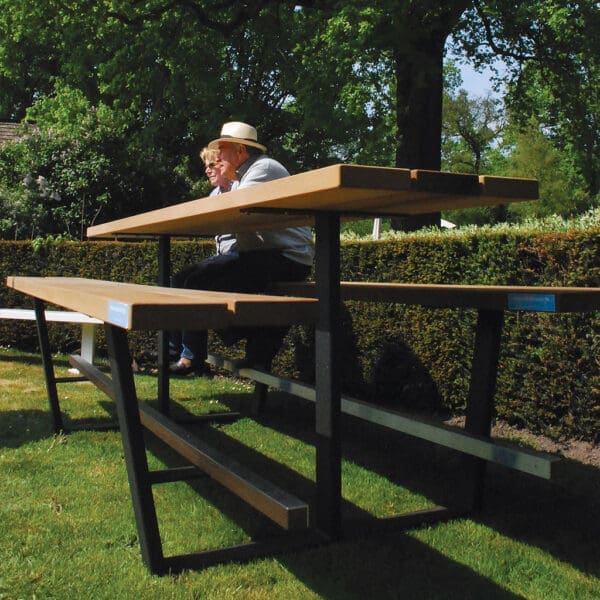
<point x="413" y="34"/>
<point x="551" y="51"/>
<point x="324" y="80"/>
<point x="470" y="127"/>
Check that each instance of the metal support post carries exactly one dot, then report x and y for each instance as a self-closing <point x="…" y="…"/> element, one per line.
<point x="42" y="329"/>
<point x="328" y="446"/>
<point x="164" y="279"/>
<point x="480" y="402"/>
<point x="134" y="448"/>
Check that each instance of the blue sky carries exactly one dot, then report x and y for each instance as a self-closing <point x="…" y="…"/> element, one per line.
<point x="477" y="84"/>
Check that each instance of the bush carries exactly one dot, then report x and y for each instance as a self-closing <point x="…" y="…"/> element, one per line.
<point x="80" y="163"/>
<point x="403" y="356"/>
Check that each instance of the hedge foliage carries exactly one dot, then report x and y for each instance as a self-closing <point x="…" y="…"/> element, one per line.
<point x="404" y="356"/>
<point x="419" y="358"/>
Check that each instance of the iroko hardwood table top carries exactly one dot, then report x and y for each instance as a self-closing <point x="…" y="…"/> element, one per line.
<point x="350" y="190"/>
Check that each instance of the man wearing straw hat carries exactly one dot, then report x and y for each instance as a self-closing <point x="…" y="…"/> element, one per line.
<point x="256" y="259"/>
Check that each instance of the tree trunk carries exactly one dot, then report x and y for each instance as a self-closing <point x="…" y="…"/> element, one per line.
<point x="419" y="86"/>
<point x="419" y="60"/>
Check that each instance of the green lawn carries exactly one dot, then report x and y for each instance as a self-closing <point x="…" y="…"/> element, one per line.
<point x="68" y="530"/>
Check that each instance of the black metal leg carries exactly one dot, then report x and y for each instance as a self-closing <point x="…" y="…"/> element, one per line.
<point x="259" y="398"/>
<point x="42" y="329"/>
<point x="164" y="279"/>
<point x="134" y="449"/>
<point x="328" y="448"/>
<point x="480" y="402"/>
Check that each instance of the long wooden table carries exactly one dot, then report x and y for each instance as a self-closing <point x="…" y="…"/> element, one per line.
<point x="322" y="198"/>
<point x="350" y="191"/>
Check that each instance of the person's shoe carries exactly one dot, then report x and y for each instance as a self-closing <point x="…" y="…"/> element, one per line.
<point x="180" y="369"/>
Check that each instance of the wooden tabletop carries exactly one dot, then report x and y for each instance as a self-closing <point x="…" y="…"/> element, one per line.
<point x="346" y="189"/>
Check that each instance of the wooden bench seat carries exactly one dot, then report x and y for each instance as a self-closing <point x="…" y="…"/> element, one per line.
<point x="124" y="307"/>
<point x="488" y="297"/>
<point x="143" y="307"/>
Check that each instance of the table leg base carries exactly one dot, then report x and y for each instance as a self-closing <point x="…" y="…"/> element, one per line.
<point x="243" y="552"/>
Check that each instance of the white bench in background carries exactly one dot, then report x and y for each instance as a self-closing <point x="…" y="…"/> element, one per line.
<point x="88" y="325"/>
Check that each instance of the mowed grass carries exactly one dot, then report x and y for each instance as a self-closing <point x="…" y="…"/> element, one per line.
<point x="68" y="530"/>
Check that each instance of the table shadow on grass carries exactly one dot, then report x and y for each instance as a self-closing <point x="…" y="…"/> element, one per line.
<point x="561" y="518"/>
<point x="274" y="470"/>
<point x="385" y="568"/>
<point x="389" y="567"/>
<point x="33" y="359"/>
<point x="403" y="460"/>
<point x="21" y="427"/>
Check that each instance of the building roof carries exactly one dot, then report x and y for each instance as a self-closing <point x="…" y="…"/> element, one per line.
<point x="9" y="132"/>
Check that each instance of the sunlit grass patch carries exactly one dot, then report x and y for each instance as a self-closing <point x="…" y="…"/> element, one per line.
<point x="69" y="532"/>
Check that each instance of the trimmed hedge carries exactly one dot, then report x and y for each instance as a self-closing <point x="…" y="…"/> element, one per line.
<point x="133" y="262"/>
<point x="404" y="356"/>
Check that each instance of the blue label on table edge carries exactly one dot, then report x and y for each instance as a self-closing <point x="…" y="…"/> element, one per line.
<point x="118" y="313"/>
<point x="538" y="302"/>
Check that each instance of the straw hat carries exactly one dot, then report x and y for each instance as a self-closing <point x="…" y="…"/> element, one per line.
<point x="240" y="133"/>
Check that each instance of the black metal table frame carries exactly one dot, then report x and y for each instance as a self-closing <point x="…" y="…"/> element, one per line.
<point x="120" y="387"/>
<point x="327" y="416"/>
<point x="328" y="514"/>
<point x="328" y="523"/>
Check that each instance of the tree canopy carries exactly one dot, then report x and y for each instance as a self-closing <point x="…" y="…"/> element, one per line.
<point x="551" y="51"/>
<point x="129" y="91"/>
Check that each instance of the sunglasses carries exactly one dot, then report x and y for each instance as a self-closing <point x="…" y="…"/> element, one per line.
<point x="210" y="165"/>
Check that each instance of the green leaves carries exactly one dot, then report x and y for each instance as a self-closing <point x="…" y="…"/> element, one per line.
<point x="551" y="50"/>
<point x="59" y="178"/>
<point x="133" y="90"/>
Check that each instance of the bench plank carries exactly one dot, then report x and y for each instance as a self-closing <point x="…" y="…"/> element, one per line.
<point x="54" y="316"/>
<point x="489" y="297"/>
<point x="88" y="325"/>
<point x="144" y="307"/>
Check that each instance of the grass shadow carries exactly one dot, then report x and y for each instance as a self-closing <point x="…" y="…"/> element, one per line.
<point x="560" y="518"/>
<point x="21" y="427"/>
<point x="359" y="568"/>
<point x="389" y="567"/>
